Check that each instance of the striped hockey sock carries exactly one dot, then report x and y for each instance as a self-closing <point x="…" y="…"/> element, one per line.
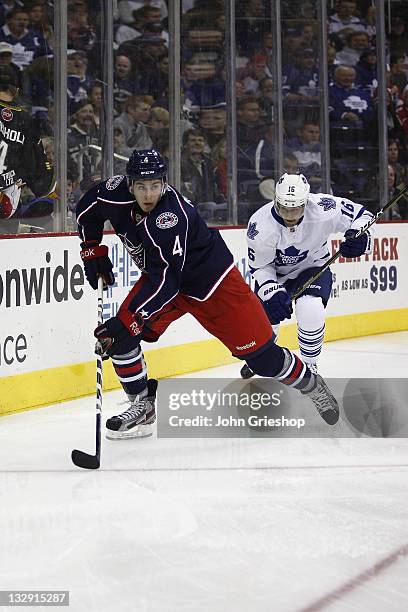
<point x="294" y="372"/>
<point x="132" y="372"/>
<point x="310" y="343"/>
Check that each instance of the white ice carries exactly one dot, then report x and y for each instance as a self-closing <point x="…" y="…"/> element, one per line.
<point x="194" y="525"/>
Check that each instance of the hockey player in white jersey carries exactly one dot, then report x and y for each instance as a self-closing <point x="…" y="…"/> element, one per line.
<point x="287" y="245"/>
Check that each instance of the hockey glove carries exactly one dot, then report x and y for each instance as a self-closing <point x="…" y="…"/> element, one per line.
<point x="119" y="335"/>
<point x="96" y="263"/>
<point x="353" y="247"/>
<point x="278" y="306"/>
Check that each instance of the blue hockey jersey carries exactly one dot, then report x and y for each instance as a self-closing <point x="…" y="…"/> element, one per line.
<point x="172" y="245"/>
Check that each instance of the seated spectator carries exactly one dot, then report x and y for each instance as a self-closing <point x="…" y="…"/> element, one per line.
<point x="258" y="160"/>
<point x="82" y="133"/>
<point x="366" y="71"/>
<point x="95" y="97"/>
<point x="206" y="89"/>
<point x="265" y="99"/>
<point x="250" y="127"/>
<point x="219" y="159"/>
<point x="127" y="8"/>
<point x="73" y="190"/>
<point x="301" y="78"/>
<point x="307" y="150"/>
<point x="402" y="114"/>
<point x="7" y="6"/>
<point x="308" y="36"/>
<point x="212" y="122"/>
<point x="77" y="79"/>
<point x="345" y="18"/>
<point x="356" y="43"/>
<point x="252" y="22"/>
<point x="369" y="21"/>
<point x="290" y="164"/>
<point x="398" y="37"/>
<point x="120" y="148"/>
<point x="397" y="78"/>
<point x="393" y="214"/>
<point x="6" y="59"/>
<point x="81" y="35"/>
<point x="401" y="170"/>
<point x="26" y="44"/>
<point x="145" y="52"/>
<point x="123" y="82"/>
<point x="133" y="122"/>
<point x="39" y="21"/>
<point x="197" y="171"/>
<point x="255" y="70"/>
<point x="141" y="16"/>
<point x="158" y="127"/>
<point x="349" y="105"/>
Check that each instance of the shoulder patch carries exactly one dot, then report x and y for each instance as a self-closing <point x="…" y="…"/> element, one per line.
<point x="166" y="220"/>
<point x="7" y="114"/>
<point x="114" y="181"/>
<point x="327" y="203"/>
<point x="252" y="231"/>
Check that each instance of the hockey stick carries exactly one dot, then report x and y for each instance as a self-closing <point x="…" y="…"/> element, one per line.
<point x="246" y="371"/>
<point x="361" y="231"/>
<point x="81" y="459"/>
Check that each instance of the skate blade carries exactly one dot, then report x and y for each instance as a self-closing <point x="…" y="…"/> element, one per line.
<point x="141" y="431"/>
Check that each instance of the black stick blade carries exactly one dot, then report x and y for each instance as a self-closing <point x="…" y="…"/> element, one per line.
<point x="83" y="460"/>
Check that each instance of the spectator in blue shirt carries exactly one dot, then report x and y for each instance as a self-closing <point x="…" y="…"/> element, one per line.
<point x="26" y="44"/>
<point x="348" y="104"/>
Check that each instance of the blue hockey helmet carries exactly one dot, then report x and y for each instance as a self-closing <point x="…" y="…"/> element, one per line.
<point x="146" y="164"/>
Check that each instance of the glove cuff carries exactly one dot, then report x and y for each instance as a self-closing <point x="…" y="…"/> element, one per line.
<point x="93" y="250"/>
<point x="266" y="291"/>
<point x="132" y="321"/>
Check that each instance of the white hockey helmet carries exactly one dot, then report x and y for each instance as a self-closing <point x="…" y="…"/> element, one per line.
<point x="292" y="191"/>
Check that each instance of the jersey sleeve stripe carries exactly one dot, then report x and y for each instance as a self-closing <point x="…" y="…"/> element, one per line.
<point x="86" y="210"/>
<point x="116" y="202"/>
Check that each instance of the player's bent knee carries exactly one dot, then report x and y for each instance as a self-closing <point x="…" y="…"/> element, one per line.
<point x="269" y="362"/>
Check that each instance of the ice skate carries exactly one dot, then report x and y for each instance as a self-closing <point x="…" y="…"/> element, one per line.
<point x="324" y="401"/>
<point x="137" y="421"/>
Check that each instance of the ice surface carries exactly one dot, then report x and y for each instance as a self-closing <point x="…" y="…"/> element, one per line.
<point x="209" y="525"/>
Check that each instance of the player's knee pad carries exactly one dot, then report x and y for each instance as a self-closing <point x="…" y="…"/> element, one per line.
<point x="310" y="312"/>
<point x="269" y="362"/>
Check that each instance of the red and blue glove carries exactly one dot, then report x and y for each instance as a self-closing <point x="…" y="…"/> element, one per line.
<point x="354" y="247"/>
<point x="119" y="335"/>
<point x="278" y="305"/>
<point x="96" y="263"/>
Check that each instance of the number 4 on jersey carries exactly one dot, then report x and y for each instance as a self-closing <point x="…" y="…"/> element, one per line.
<point x="177" y="249"/>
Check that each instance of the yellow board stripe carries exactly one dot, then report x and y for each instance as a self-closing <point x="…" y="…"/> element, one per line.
<point x="36" y="389"/>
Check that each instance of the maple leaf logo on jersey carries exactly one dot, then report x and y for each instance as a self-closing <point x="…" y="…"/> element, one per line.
<point x="289" y="256"/>
<point x="252" y="231"/>
<point x="136" y="252"/>
<point x="327" y="203"/>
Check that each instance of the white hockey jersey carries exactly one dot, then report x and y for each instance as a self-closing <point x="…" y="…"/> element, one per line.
<point x="277" y="253"/>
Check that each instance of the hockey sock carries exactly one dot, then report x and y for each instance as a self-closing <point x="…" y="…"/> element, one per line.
<point x="311" y="327"/>
<point x="131" y="370"/>
<point x="283" y="365"/>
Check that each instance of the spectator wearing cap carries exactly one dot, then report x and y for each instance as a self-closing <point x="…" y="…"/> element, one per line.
<point x="6" y="59"/>
<point x="345" y="19"/>
<point x="26" y="44"/>
<point x="301" y="78"/>
<point x="348" y="104"/>
<point x="133" y="122"/>
<point x="366" y="71"/>
<point x="356" y="43"/>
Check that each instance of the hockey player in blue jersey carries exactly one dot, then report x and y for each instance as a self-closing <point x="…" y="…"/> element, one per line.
<point x="287" y="245"/>
<point x="186" y="268"/>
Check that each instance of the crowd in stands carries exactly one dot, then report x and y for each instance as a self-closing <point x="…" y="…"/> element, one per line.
<point x="141" y="90"/>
